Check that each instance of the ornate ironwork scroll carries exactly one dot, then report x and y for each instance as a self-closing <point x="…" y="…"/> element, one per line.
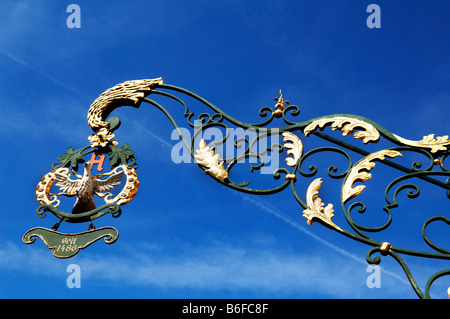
<point x="280" y="122"/>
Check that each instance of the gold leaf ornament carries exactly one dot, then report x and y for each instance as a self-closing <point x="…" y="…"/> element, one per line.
<point x="43" y="194"/>
<point x="279" y="107"/>
<point x="429" y="141"/>
<point x="101" y="138"/>
<point x="294" y="148"/>
<point x="128" y="191"/>
<point x="205" y="157"/>
<point x="360" y="173"/>
<point x="347" y="125"/>
<point x="316" y="207"/>
<point x="126" y="93"/>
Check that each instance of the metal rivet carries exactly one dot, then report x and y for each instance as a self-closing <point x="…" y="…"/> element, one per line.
<point x="291" y="177"/>
<point x="384" y="249"/>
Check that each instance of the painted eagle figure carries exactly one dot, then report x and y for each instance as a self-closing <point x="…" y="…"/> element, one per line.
<point x="85" y="188"/>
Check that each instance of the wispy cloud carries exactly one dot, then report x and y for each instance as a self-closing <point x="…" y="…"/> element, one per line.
<point x="203" y="270"/>
<point x="16" y="59"/>
<point x="206" y="269"/>
<point x="216" y="267"/>
<point x="267" y="207"/>
<point x="13" y="258"/>
<point x="63" y="120"/>
<point x="270" y="209"/>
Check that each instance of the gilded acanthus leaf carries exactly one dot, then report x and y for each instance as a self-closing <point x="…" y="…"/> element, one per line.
<point x="368" y="134"/>
<point x="295" y="148"/>
<point x="315" y="206"/>
<point x="126" y="93"/>
<point x="205" y="157"/>
<point x="360" y="173"/>
<point x="429" y="141"/>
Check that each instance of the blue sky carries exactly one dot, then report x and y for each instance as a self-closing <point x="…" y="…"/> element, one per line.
<point x="185" y="236"/>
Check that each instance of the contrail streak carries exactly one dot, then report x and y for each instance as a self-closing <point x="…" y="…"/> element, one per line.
<point x="27" y="65"/>
<point x="266" y="207"/>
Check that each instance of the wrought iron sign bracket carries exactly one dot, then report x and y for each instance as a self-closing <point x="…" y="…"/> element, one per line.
<point x="123" y="167"/>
